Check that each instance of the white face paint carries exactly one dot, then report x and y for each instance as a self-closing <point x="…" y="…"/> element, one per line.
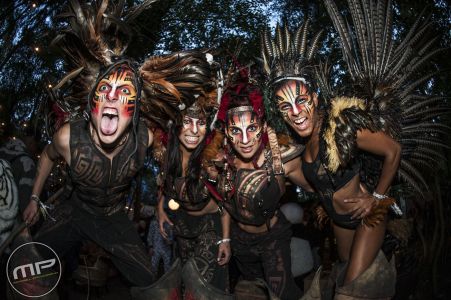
<point x="297" y="106"/>
<point x="244" y="130"/>
<point x="192" y="132"/>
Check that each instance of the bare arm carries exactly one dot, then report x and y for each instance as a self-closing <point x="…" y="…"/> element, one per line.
<point x="150" y="141"/>
<point x="293" y="171"/>
<point x="381" y="144"/>
<point x="58" y="147"/>
<point x="162" y="216"/>
<point x="224" y="251"/>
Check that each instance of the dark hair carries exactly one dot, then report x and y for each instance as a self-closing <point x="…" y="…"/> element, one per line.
<point x="173" y="165"/>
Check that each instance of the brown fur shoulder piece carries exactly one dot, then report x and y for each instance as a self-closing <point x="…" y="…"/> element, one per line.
<point x="345" y="117"/>
<point x="213" y="151"/>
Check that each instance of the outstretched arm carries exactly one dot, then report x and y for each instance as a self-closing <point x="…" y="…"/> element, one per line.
<point x="150" y="141"/>
<point x="224" y="250"/>
<point x="58" y="147"/>
<point x="162" y="216"/>
<point x="377" y="143"/>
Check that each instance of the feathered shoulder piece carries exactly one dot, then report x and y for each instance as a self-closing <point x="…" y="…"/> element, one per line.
<point x="391" y="73"/>
<point x="344" y="118"/>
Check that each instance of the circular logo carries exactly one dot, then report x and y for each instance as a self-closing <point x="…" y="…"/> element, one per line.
<point x="33" y="269"/>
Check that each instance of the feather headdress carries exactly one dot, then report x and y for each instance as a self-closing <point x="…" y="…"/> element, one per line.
<point x="288" y="54"/>
<point x="97" y="37"/>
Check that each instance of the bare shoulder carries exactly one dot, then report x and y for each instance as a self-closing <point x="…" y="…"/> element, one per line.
<point x="150" y="137"/>
<point x="292" y="165"/>
<point x="62" y="137"/>
<point x="61" y="141"/>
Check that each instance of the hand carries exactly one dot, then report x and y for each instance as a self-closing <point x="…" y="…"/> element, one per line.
<point x="163" y="218"/>
<point x="31" y="213"/>
<point x="361" y="206"/>
<point x="224" y="253"/>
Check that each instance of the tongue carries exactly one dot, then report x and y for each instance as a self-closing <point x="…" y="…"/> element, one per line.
<point x="108" y="126"/>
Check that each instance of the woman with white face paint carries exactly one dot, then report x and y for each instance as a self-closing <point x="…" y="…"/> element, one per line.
<point x="200" y="226"/>
<point x="251" y="183"/>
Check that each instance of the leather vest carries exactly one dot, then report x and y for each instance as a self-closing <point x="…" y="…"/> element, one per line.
<point x="100" y="184"/>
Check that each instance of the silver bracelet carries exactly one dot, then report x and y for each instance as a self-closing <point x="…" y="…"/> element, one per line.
<point x="223" y="241"/>
<point x="379" y="196"/>
<point x="394" y="207"/>
<point x="35" y="198"/>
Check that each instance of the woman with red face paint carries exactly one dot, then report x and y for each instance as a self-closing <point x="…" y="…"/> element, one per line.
<point x="200" y="227"/>
<point x="251" y="182"/>
<point x="351" y="151"/>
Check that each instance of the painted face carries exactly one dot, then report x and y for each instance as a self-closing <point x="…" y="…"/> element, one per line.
<point x="113" y="104"/>
<point x="297" y="106"/>
<point x="244" y="130"/>
<point x="192" y="132"/>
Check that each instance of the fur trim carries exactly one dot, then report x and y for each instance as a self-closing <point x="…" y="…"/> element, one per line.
<point x="378" y="213"/>
<point x="214" y="149"/>
<point x="283" y="139"/>
<point x="345" y="117"/>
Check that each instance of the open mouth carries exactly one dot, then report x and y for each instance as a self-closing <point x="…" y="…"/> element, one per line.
<point x="301" y="123"/>
<point x="191" y="139"/>
<point x="109" y="121"/>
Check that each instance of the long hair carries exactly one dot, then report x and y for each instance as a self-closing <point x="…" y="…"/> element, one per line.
<point x="173" y="165"/>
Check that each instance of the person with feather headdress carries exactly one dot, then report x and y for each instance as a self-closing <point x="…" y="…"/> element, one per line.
<point x="252" y="164"/>
<point x="348" y="138"/>
<point x="186" y="208"/>
<point x="112" y="104"/>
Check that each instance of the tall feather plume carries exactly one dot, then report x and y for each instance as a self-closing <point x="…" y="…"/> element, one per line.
<point x="290" y="55"/>
<point x="389" y="74"/>
<point x="94" y="35"/>
<point x="303" y="38"/>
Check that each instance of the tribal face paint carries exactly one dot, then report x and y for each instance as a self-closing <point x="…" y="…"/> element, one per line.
<point x="192" y="132"/>
<point x="113" y="103"/>
<point x="297" y="106"/>
<point x="244" y="130"/>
